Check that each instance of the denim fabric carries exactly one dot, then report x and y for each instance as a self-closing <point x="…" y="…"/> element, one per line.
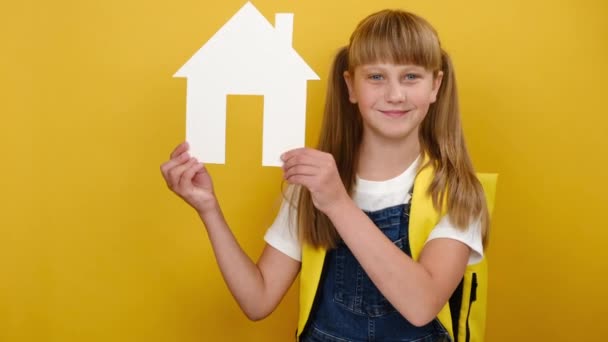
<point x="349" y="307"/>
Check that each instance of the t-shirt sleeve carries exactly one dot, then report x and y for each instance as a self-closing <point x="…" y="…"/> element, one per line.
<point x="283" y="233"/>
<point x="470" y="236"/>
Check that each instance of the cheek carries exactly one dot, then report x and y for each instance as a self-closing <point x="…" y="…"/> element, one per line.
<point x="432" y="94"/>
<point x="365" y="98"/>
<point x="420" y="99"/>
<point x="433" y="97"/>
<point x="424" y="97"/>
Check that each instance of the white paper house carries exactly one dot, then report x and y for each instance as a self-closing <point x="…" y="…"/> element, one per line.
<point x="247" y="56"/>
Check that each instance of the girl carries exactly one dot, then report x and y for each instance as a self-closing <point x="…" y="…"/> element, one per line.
<point x="391" y="141"/>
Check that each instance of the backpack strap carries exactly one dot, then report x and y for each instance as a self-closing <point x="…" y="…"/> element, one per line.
<point x="423" y="218"/>
<point x="310" y="275"/>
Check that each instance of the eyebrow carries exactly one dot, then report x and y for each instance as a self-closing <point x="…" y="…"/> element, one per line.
<point x="383" y="67"/>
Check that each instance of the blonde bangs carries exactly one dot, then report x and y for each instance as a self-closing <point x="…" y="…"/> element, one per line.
<point x="395" y="37"/>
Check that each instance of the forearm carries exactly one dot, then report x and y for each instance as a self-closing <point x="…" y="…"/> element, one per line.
<point x="248" y="282"/>
<point x="407" y="285"/>
<point x="241" y="274"/>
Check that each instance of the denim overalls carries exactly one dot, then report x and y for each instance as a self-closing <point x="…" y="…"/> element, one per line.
<point x="349" y="307"/>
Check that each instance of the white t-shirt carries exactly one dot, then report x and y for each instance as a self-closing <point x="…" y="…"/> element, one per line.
<point x="372" y="196"/>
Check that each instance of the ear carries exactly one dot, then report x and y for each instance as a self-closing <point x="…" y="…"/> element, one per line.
<point x="436" y="85"/>
<point x="349" y="84"/>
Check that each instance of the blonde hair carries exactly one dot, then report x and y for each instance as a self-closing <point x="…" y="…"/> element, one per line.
<point x="394" y="36"/>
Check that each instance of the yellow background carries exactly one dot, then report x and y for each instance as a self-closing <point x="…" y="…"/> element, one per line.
<point x="94" y="247"/>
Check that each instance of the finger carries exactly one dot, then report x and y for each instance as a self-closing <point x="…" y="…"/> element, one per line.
<point x="301" y="159"/>
<point x="303" y="180"/>
<point x="175" y="173"/>
<point x="186" y="178"/>
<point x="180" y="159"/>
<point x="301" y="170"/>
<point x="320" y="158"/>
<point x="296" y="151"/>
<point x="181" y="148"/>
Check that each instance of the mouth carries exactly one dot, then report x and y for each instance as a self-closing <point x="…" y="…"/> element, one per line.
<point x="394" y="113"/>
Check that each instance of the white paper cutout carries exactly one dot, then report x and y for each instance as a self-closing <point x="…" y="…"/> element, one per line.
<point x="247" y="56"/>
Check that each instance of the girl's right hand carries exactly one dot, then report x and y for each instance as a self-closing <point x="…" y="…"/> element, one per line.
<point x="190" y="180"/>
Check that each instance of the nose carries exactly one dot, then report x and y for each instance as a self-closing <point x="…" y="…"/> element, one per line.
<point x="395" y="92"/>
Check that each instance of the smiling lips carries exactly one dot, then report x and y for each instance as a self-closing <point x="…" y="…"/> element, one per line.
<point x="394" y="113"/>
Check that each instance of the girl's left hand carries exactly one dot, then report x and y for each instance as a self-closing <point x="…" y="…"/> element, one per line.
<point x="316" y="171"/>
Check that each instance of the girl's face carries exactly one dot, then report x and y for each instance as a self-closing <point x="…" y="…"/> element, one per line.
<point x="393" y="98"/>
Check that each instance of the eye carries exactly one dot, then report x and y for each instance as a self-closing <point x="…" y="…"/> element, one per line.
<point x="375" y="77"/>
<point x="411" y="77"/>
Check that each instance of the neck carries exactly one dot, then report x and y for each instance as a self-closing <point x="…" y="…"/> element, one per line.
<point x="382" y="159"/>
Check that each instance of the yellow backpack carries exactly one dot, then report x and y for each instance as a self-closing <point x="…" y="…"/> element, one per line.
<point x="464" y="315"/>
